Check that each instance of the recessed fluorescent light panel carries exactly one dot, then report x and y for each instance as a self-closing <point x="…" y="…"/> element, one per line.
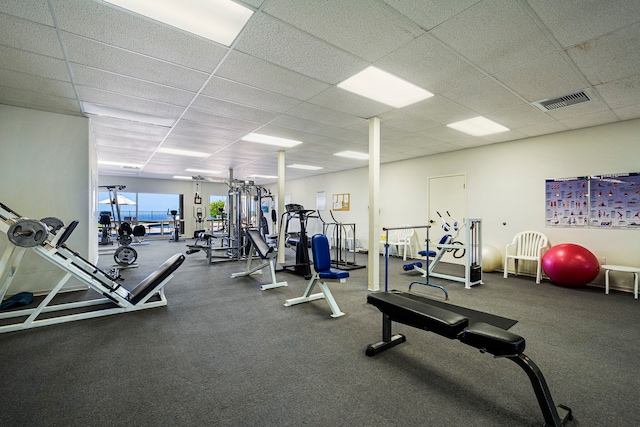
<point x="373" y="83"/>
<point x="353" y="155"/>
<point x="121" y="164"/>
<point x="205" y="171"/>
<point x="270" y="140"/>
<point x="262" y="176"/>
<point x="305" y="167"/>
<point x="182" y="152"/>
<point x="217" y="20"/>
<point x="183" y="177"/>
<point x="478" y="126"/>
<point x="117" y="113"/>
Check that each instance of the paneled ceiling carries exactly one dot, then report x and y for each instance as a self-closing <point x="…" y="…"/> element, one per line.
<point x="493" y="58"/>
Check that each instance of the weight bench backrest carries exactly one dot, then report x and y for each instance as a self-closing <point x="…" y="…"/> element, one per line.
<point x="259" y="243"/>
<point x="321" y="253"/>
<point x="150" y="283"/>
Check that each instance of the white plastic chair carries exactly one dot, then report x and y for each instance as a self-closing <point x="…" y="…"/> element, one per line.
<point x="528" y="246"/>
<point x="401" y="239"/>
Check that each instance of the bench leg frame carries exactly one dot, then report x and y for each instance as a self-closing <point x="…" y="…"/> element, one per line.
<point x="388" y="339"/>
<point x="553" y="416"/>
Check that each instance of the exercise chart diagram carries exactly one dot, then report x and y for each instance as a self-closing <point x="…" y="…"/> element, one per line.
<point x="614" y="200"/>
<point x="598" y="201"/>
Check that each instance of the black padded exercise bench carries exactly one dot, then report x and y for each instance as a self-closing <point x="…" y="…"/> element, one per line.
<point x="424" y="313"/>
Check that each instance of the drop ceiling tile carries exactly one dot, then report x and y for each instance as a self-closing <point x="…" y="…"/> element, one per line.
<point x="325" y="115"/>
<point x="30" y="82"/>
<point x="593" y="119"/>
<point x="350" y="103"/>
<point x="93" y="54"/>
<point x="575" y="22"/>
<point x="38" y="101"/>
<point x="229" y="109"/>
<point x="238" y="93"/>
<point x="495" y="35"/>
<point x="621" y="93"/>
<point x="511" y="135"/>
<point x="125" y="143"/>
<point x="214" y="134"/>
<point x="413" y="141"/>
<point x="543" y="78"/>
<point x="430" y="13"/>
<point x="312" y="127"/>
<point x="628" y="113"/>
<point x="406" y="121"/>
<point x="117" y="27"/>
<point x="35" y="10"/>
<point x="543" y="128"/>
<point x="110" y="124"/>
<point x="29" y="36"/>
<point x="440" y="109"/>
<point x="205" y="118"/>
<point x="256" y="72"/>
<point x="611" y="57"/>
<point x="425" y="62"/>
<point x="352" y="25"/>
<point x="519" y="116"/>
<point x="34" y="64"/>
<point x="445" y="134"/>
<point x="129" y="103"/>
<point x="116" y="83"/>
<point x="283" y="45"/>
<point x="484" y="96"/>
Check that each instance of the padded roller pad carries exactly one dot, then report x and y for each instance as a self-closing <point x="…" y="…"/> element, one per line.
<point x="424" y="253"/>
<point x="418" y="314"/>
<point x="493" y="340"/>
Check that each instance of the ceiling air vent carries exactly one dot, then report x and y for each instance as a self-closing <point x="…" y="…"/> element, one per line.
<point x="563" y="101"/>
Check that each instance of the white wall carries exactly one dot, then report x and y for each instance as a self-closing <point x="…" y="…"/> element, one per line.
<point x="45" y="164"/>
<point x="505" y="184"/>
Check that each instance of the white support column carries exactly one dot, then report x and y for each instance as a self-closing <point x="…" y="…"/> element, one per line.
<point x="374" y="204"/>
<point x="281" y="171"/>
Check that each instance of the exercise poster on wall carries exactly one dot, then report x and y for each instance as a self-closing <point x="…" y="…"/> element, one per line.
<point x="599" y="201"/>
<point x="615" y="200"/>
<point x="567" y="203"/>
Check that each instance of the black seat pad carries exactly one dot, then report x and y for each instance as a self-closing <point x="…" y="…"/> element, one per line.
<point x="418" y="314"/>
<point x="492" y="339"/>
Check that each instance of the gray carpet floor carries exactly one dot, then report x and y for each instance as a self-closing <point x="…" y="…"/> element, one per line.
<point x="225" y="353"/>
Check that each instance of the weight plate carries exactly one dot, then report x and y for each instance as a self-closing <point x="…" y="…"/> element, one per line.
<point x="53" y="223"/>
<point x="27" y="233"/>
<point x="125" y="255"/>
<point x="125" y="240"/>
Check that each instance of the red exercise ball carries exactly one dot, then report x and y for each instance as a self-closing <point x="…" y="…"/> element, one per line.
<point x="570" y="265"/>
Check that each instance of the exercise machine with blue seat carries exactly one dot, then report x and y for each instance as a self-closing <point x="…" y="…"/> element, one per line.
<point x="49" y="243"/>
<point x="470" y="252"/>
<point x="267" y="253"/>
<point x="322" y="273"/>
